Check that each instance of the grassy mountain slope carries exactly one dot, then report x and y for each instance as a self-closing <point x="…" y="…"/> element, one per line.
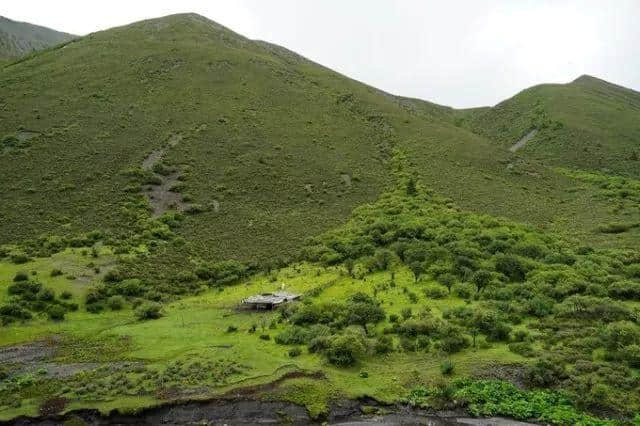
<point x="272" y="147"/>
<point x="19" y="38"/>
<point x="588" y="124"/>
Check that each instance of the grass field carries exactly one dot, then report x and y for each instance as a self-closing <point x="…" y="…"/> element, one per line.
<point x="196" y="329"/>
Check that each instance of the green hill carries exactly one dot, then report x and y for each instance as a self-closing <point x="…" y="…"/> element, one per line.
<point x="20" y="38"/>
<point x="272" y="148"/>
<point x="588" y="124"/>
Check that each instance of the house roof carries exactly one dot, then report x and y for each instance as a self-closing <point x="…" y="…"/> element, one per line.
<point x="271" y="298"/>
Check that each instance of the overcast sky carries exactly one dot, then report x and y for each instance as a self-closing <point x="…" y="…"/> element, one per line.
<point x="453" y="52"/>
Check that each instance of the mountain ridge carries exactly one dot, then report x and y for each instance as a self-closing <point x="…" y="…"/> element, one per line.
<point x="20" y="38"/>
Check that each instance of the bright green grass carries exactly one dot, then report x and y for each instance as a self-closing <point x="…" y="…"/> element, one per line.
<point x="77" y="276"/>
<point x="195" y="328"/>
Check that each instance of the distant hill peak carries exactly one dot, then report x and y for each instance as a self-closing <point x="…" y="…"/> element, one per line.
<point x="19" y="38"/>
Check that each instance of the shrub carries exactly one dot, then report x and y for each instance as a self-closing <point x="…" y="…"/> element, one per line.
<point x="344" y="350"/>
<point x="512" y="267"/>
<point x="463" y="290"/>
<point x="26" y="289"/>
<point x="56" y="312"/>
<point x="12" y="312"/>
<point x="232" y="329"/>
<point x="618" y="335"/>
<point x="545" y="373"/>
<point x="294" y="352"/>
<point x="19" y="258"/>
<point x="294" y="336"/>
<point x="148" y="311"/>
<point x="21" y="276"/>
<point x="614" y="228"/>
<point x="481" y="278"/>
<point x="406" y="313"/>
<point x="447" y="367"/>
<point x="625" y="290"/>
<point x="46" y="295"/>
<point x="436" y="291"/>
<point x="522" y="348"/>
<point x="384" y="345"/>
<point x="452" y="339"/>
<point x="55" y="272"/>
<point x="447" y="280"/>
<point x="113" y="276"/>
<point x="319" y="344"/>
<point x="631" y="354"/>
<point x="633" y="271"/>
<point x="115" y="303"/>
<point x="66" y="295"/>
<point x="265" y="337"/>
<point x="94" y="308"/>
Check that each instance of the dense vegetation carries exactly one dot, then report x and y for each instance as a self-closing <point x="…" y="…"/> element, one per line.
<point x="572" y="309"/>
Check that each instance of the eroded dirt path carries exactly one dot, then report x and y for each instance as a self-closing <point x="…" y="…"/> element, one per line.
<point x="523" y="141"/>
<point x="160" y="196"/>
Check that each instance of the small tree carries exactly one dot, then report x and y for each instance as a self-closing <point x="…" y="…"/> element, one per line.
<point x="481" y="279"/>
<point x="417" y="268"/>
<point x="447" y="280"/>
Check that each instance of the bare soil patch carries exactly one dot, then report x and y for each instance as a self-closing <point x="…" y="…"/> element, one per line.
<point x="523" y="141"/>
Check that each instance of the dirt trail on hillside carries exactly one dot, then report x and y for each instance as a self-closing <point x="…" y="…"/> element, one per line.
<point x="160" y="196"/>
<point x="523" y="141"/>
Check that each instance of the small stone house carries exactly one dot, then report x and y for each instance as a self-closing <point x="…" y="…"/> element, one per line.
<point x="268" y="301"/>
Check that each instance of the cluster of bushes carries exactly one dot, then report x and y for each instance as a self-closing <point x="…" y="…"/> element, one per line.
<point x="488" y="398"/>
<point x="511" y="272"/>
<point x="47" y="245"/>
<point x="338" y="330"/>
<point x="28" y="297"/>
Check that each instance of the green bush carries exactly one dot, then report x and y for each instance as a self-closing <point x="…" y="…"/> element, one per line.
<point x="447" y="367"/>
<point x="512" y="267"/>
<point x="94" y="308"/>
<point x="614" y="228"/>
<point x="344" y="350"/>
<point x="149" y="311"/>
<point x="522" y="348"/>
<point x="383" y="345"/>
<point x="436" y="291"/>
<point x="115" y="303"/>
<point x="66" y="295"/>
<point x="56" y="312"/>
<point x="294" y="352"/>
<point x="21" y="276"/>
<point x="55" y="273"/>
<point x="265" y="337"/>
<point x="232" y="329"/>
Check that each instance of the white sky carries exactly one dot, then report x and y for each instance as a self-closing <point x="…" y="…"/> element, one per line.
<point x="461" y="53"/>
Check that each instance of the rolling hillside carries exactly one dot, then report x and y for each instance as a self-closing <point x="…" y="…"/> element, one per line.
<point x="588" y="124"/>
<point x="20" y="38"/>
<point x="268" y="147"/>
